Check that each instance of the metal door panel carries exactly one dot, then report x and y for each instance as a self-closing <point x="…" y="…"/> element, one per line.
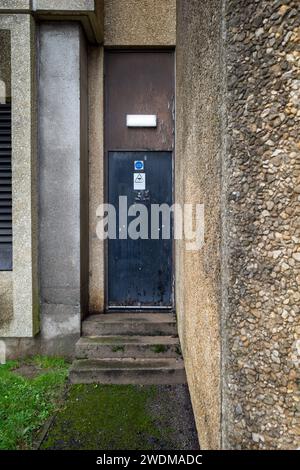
<point x="140" y="271"/>
<point x="139" y="82"/>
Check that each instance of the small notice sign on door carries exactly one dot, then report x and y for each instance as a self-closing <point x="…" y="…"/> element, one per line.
<point x="139" y="165"/>
<point x="139" y="181"/>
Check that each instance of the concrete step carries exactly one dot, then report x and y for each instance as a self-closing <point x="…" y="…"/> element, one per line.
<point x="131" y="324"/>
<point x="99" y="347"/>
<point x="128" y="371"/>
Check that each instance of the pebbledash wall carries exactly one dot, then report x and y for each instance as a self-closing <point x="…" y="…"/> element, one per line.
<point x="237" y="151"/>
<point x="261" y="326"/>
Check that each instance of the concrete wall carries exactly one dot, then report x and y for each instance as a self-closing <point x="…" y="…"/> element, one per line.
<point x="19" y="5"/>
<point x="88" y="12"/>
<point x="19" y="302"/>
<point x="139" y="22"/>
<point x="261" y="353"/>
<point x="198" y="180"/>
<point x="5" y="66"/>
<point x="63" y="182"/>
<point x="84" y="177"/>
<point x="96" y="157"/>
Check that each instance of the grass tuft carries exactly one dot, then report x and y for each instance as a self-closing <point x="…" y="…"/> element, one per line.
<point x="159" y="348"/>
<point x="26" y="403"/>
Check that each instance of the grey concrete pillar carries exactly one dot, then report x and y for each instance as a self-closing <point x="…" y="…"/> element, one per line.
<point x="63" y="183"/>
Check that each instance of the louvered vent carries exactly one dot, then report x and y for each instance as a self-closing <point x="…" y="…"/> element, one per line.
<point x="5" y="189"/>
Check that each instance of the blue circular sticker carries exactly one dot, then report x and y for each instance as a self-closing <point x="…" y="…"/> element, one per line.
<point x="139" y="165"/>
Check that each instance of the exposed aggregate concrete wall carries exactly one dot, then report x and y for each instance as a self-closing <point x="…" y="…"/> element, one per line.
<point x="261" y="351"/>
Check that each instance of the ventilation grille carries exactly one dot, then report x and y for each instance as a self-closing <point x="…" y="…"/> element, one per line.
<point x="5" y="189"/>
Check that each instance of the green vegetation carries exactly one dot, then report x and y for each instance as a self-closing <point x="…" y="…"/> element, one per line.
<point x="114" y="417"/>
<point x="159" y="348"/>
<point x="110" y="417"/>
<point x="117" y="348"/>
<point x="29" y="394"/>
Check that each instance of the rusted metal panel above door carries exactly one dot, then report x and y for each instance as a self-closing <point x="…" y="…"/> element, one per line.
<point x="139" y="82"/>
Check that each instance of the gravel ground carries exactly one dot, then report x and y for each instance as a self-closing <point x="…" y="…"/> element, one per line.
<point x="172" y="407"/>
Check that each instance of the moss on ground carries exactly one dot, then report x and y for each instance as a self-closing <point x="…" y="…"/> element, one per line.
<point x="29" y="394"/>
<point x="159" y="348"/>
<point x="114" y="417"/>
<point x="118" y="348"/>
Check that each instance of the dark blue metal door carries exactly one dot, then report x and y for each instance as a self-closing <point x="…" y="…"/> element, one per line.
<point x="140" y="271"/>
